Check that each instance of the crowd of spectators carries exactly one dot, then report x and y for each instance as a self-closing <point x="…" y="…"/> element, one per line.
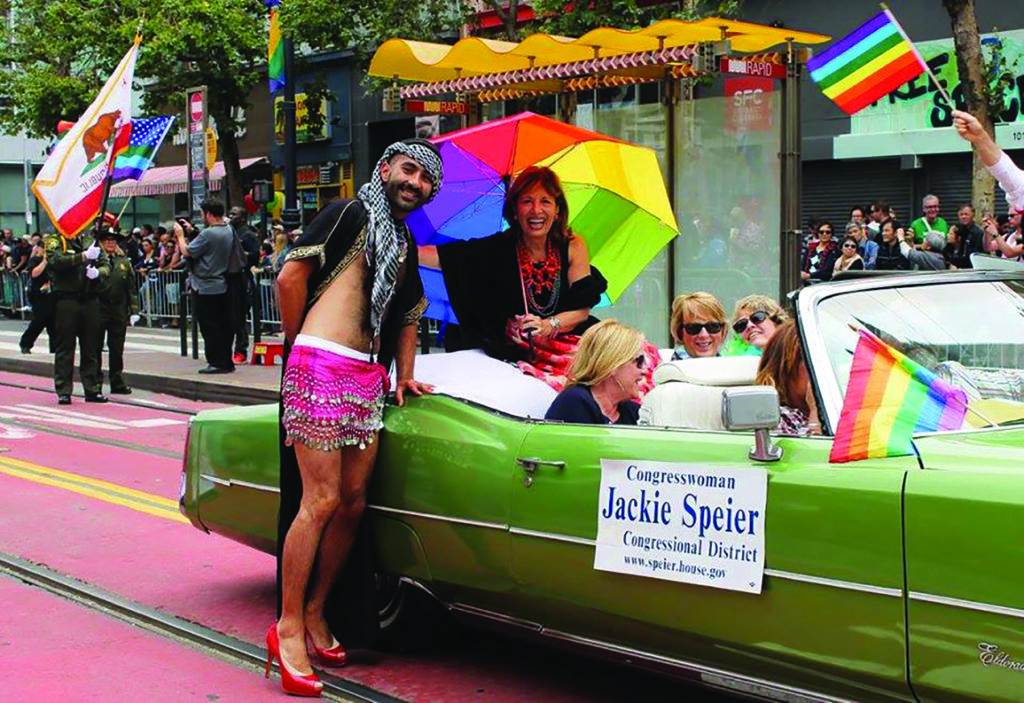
<point x="875" y="239"/>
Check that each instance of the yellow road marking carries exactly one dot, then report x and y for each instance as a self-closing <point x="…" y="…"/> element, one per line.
<point x="94" y="488"/>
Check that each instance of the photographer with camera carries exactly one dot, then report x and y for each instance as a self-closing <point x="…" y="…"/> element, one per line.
<point x="39" y="298"/>
<point x="209" y="253"/>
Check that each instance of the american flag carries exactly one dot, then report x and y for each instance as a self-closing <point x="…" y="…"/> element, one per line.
<point x="147" y="135"/>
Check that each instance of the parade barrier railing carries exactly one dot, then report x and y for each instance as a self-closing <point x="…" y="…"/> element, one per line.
<point x="14" y="293"/>
<point x="165" y="301"/>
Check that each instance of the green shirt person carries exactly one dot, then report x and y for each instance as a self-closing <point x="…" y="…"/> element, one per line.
<point x="930" y="221"/>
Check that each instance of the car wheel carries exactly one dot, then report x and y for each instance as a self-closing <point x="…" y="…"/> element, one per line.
<point x="410" y="619"/>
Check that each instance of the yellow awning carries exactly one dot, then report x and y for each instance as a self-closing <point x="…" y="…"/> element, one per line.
<point x="427" y="62"/>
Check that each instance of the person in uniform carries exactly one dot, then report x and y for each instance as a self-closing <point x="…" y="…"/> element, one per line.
<point x="119" y="304"/>
<point x="75" y="266"/>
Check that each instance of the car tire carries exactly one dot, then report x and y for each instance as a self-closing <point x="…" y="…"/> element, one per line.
<point x="410" y="618"/>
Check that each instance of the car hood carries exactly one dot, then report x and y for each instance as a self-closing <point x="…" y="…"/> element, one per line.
<point x="994" y="450"/>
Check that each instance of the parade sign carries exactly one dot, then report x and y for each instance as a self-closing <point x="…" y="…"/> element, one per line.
<point x="195" y="103"/>
<point x="678" y="522"/>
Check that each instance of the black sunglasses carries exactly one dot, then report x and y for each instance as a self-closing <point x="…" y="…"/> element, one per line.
<point x="849" y="245"/>
<point x="755" y="317"/>
<point x="694" y="328"/>
<point x="824" y="231"/>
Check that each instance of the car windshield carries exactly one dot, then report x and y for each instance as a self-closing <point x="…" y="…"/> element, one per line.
<point x="970" y="334"/>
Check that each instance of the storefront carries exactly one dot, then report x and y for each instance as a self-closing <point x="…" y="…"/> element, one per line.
<point x="718" y="141"/>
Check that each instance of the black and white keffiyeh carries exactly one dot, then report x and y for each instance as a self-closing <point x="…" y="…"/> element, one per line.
<point x="385" y="236"/>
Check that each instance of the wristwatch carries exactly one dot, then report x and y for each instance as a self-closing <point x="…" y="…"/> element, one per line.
<point x="555" y="323"/>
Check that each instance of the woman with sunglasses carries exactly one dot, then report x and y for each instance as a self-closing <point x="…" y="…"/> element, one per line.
<point x="821" y="255"/>
<point x="605" y="378"/>
<point x="698" y="325"/>
<point x="849" y="259"/>
<point x="756" y="318"/>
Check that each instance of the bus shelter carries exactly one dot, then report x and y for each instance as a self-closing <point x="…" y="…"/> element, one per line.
<point x="719" y="102"/>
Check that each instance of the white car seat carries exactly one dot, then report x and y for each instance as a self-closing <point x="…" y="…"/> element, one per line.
<point x="688" y="393"/>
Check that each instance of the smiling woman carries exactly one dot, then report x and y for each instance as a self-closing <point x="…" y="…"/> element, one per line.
<point x="524" y="294"/>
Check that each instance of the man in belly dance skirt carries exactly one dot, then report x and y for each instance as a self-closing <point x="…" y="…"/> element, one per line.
<point x="351" y="298"/>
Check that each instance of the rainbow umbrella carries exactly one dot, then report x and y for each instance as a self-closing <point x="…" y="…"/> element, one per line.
<point x="617" y="198"/>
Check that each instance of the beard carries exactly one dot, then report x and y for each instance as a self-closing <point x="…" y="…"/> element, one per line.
<point x="394" y="189"/>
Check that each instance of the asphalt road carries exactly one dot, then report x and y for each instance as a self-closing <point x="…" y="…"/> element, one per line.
<point x="89" y="492"/>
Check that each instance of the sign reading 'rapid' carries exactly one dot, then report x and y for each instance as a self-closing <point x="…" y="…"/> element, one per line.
<point x="684" y="523"/>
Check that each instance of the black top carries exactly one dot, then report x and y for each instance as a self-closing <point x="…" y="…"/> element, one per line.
<point x="37" y="282"/>
<point x="484" y="287"/>
<point x="890" y="258"/>
<point x="577" y="404"/>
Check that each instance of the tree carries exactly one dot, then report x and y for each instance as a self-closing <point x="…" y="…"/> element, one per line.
<point x="324" y="25"/>
<point x="56" y="54"/>
<point x="576" y="19"/>
<point x="974" y="84"/>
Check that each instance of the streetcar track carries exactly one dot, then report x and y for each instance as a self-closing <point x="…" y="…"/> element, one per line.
<point x="93" y="439"/>
<point x="111" y="400"/>
<point x="225" y="647"/>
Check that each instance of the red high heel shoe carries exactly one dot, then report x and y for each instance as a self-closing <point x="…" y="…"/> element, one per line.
<point x="335" y="655"/>
<point x="308" y="685"/>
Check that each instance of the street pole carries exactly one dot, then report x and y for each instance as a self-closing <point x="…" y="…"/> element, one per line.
<point x="291" y="216"/>
<point x="790" y="230"/>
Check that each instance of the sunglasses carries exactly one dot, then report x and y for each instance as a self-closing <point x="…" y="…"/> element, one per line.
<point x="694" y="328"/>
<point x="849" y="246"/>
<point x="824" y="231"/>
<point x="640" y="361"/>
<point x="755" y="318"/>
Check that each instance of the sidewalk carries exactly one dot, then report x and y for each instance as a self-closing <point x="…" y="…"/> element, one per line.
<point x="153" y="362"/>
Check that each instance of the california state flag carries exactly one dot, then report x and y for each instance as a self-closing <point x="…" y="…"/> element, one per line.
<point x="70" y="184"/>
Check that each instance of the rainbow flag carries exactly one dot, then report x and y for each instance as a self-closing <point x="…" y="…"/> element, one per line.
<point x="275" y="50"/>
<point x="888" y="399"/>
<point x="147" y="134"/>
<point x="876" y="59"/>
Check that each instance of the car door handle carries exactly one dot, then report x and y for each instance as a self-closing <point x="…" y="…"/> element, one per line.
<point x="532" y="463"/>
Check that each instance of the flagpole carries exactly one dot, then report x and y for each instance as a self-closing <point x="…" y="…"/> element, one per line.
<point x="927" y="68"/>
<point x="108" y="180"/>
<point x="125" y="206"/>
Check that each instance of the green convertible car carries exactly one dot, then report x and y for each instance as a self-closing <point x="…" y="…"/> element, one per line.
<point x="709" y="548"/>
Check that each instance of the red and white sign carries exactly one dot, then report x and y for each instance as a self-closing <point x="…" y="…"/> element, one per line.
<point x="765" y="69"/>
<point x="748" y="106"/>
<point x="195" y="107"/>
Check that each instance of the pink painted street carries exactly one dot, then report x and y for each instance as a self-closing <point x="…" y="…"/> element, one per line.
<point x="90" y="492"/>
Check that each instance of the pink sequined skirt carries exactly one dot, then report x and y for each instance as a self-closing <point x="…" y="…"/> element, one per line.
<point x="330" y="400"/>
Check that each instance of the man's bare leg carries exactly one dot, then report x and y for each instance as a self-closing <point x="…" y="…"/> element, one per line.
<point x="321" y="477"/>
<point x="339" y="535"/>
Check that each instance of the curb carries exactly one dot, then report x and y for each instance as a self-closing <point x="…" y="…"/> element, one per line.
<point x="186" y="388"/>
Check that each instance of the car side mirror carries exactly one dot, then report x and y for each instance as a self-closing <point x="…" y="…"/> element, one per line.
<point x="753" y="408"/>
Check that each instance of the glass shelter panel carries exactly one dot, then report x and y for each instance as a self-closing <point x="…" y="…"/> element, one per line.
<point x="727" y="190"/>
<point x="637" y="115"/>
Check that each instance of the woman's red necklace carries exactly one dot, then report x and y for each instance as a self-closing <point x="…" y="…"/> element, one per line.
<point x="540" y="277"/>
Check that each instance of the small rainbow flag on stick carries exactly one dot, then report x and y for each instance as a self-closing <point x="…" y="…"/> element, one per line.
<point x="275" y="49"/>
<point x="876" y="59"/>
<point x="888" y="399"/>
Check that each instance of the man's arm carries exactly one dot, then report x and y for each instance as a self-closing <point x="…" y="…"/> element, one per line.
<point x="292" y="291"/>
<point x="968" y="127"/>
<point x="39" y="268"/>
<point x="405" y="360"/>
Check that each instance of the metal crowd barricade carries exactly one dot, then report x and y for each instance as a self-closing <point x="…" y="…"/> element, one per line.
<point x="14" y="293"/>
<point x="265" y="306"/>
<point x="165" y="302"/>
<point x="160" y="298"/>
